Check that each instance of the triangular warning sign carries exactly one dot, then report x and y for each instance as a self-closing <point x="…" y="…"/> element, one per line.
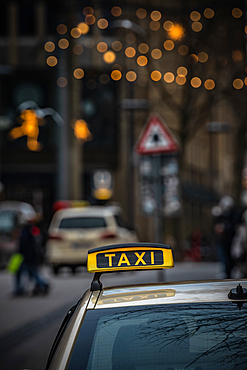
<point x="156" y="138"/>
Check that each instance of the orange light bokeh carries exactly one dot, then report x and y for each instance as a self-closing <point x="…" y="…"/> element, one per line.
<point x="61" y="29"/>
<point x="195" y="16"/>
<point x="141" y="13"/>
<point x="109" y="56"/>
<point x="209" y="84"/>
<point x="77" y="49"/>
<point x="83" y="27"/>
<point x="143" y="48"/>
<point x="81" y="130"/>
<point x="49" y="46"/>
<point x="156" y="53"/>
<point x="116" y="75"/>
<point x="169" y="77"/>
<point x="130" y="52"/>
<point x="155" y="15"/>
<point x="142" y="60"/>
<point x="51" y="61"/>
<point x="208" y="13"/>
<point x="131" y="76"/>
<point x="169" y="45"/>
<point x="154" y="26"/>
<point x="176" y="32"/>
<point x="63" y="43"/>
<point x="102" y="47"/>
<point x="156" y="75"/>
<point x="78" y="73"/>
<point x="196" y="82"/>
<point x="75" y="32"/>
<point x="102" y="23"/>
<point x="117" y="45"/>
<point x="238" y="84"/>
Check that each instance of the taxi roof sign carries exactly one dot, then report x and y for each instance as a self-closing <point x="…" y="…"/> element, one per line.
<point x="130" y="256"/>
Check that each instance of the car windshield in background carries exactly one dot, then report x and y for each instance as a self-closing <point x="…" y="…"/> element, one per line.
<point x="8" y="220"/>
<point x="182" y="336"/>
<point x="82" y="223"/>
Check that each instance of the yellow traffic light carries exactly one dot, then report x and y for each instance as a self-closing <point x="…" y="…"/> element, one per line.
<point x="29" y="128"/>
<point x="81" y="130"/>
<point x="102" y="194"/>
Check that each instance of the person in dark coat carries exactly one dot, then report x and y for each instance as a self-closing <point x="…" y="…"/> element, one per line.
<point x="239" y="250"/>
<point x="226" y="218"/>
<point x="30" y="247"/>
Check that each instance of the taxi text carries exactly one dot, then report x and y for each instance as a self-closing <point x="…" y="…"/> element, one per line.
<point x="130" y="259"/>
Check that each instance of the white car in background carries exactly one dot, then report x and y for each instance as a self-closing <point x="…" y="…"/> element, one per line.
<point x="73" y="231"/>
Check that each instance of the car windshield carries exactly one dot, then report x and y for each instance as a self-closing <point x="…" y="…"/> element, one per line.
<point x="82" y="223"/>
<point x="8" y="220"/>
<point x="182" y="336"/>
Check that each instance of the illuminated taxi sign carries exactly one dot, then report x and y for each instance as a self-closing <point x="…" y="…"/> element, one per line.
<point x="134" y="256"/>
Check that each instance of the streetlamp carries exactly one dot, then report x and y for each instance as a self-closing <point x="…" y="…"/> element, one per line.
<point x="131" y="104"/>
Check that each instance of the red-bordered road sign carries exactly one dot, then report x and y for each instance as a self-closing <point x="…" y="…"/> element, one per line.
<point x="156" y="138"/>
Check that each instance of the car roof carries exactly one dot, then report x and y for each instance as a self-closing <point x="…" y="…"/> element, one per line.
<point x="25" y="209"/>
<point x="165" y="293"/>
<point x="16" y="206"/>
<point x="85" y="211"/>
<point x="152" y="256"/>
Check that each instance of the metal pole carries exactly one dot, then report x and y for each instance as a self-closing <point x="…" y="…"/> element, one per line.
<point x="158" y="215"/>
<point x="128" y="25"/>
<point x="157" y="190"/>
<point x="63" y="135"/>
<point x="131" y="173"/>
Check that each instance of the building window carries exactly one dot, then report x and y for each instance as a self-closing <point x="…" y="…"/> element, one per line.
<point x="3" y="20"/>
<point x="27" y="18"/>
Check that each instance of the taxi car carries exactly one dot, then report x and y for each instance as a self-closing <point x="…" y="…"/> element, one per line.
<point x="73" y="231"/>
<point x="193" y="325"/>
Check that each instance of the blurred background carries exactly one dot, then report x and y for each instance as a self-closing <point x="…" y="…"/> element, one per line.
<point x="80" y="81"/>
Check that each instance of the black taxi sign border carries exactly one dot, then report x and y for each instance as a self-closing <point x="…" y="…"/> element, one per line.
<point x="130" y="256"/>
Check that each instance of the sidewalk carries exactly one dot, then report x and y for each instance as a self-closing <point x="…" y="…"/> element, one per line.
<point x="14" y="312"/>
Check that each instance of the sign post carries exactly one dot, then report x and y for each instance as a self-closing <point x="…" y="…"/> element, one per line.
<point x="159" y="174"/>
<point x="131" y="105"/>
<point x="158" y="218"/>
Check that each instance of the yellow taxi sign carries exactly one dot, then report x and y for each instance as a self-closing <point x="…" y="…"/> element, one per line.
<point x="131" y="256"/>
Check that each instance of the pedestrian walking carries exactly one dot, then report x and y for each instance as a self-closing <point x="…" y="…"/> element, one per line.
<point x="226" y="218"/>
<point x="239" y="250"/>
<point x="30" y="247"/>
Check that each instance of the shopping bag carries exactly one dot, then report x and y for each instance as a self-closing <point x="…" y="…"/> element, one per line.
<point x="14" y="263"/>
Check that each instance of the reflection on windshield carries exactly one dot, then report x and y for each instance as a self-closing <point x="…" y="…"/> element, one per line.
<point x="195" y="336"/>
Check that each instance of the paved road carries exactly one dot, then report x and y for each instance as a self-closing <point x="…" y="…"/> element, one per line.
<point x="28" y="325"/>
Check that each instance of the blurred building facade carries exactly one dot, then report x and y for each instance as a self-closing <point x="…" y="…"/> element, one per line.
<point x="184" y="60"/>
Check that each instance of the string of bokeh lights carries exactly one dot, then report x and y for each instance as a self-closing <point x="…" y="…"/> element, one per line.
<point x="175" y="33"/>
